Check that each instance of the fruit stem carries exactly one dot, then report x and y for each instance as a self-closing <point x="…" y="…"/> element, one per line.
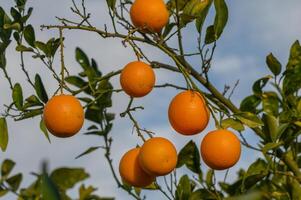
<point x="62" y="61"/>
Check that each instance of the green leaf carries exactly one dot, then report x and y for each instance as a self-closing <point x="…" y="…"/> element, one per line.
<point x="202" y="194"/>
<point x="18" y="96"/>
<point x="292" y="79"/>
<point x="259" y="84"/>
<point x="14" y="181"/>
<point x="40" y="89"/>
<point x="270" y="103"/>
<point x="202" y="16"/>
<point x="6" y="167"/>
<point x="209" y="177"/>
<point x="66" y="178"/>
<point x="210" y="35"/>
<point x="273" y="64"/>
<point x="52" y="46"/>
<point x="190" y="157"/>
<point x="42" y="46"/>
<point x="30" y="113"/>
<point x="232" y="123"/>
<point x="184" y="188"/>
<point x="295" y="55"/>
<point x="111" y="4"/>
<point x="88" y="151"/>
<point x="44" y="129"/>
<point x="221" y="17"/>
<point x="82" y="58"/>
<point x="295" y="189"/>
<point x="2" y="60"/>
<point x="249" y="119"/>
<point x="249" y="196"/>
<point x="29" y="35"/>
<point x="270" y="146"/>
<point x="32" y="101"/>
<point x="49" y="190"/>
<point x="3" y="134"/>
<point x="85" y="193"/>
<point x="168" y="28"/>
<point x="15" y="14"/>
<point x="3" y="191"/>
<point x="23" y="48"/>
<point x="250" y="103"/>
<point x="270" y="126"/>
<point x="258" y="167"/>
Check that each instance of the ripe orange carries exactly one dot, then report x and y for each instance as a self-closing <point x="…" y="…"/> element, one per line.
<point x="158" y="156"/>
<point x="150" y="15"/>
<point x="63" y="115"/>
<point x="137" y="79"/>
<point x="220" y="149"/>
<point x="188" y="113"/>
<point x="131" y="172"/>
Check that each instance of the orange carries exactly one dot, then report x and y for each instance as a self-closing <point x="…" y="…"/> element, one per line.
<point x="131" y="172"/>
<point x="220" y="149"/>
<point x="188" y="113"/>
<point x="149" y="15"/>
<point x="63" y="115"/>
<point x="158" y="156"/>
<point x="137" y="79"/>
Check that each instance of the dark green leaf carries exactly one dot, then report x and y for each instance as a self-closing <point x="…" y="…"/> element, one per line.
<point x="49" y="190"/>
<point x="15" y="14"/>
<point x="209" y="177"/>
<point x="18" y="96"/>
<point x="6" y="167"/>
<point x="232" y="123"/>
<point x="3" y="134"/>
<point x="32" y="101"/>
<point x="42" y="46"/>
<point x="184" y="188"/>
<point x="168" y="28"/>
<point x="249" y="119"/>
<point x="260" y="83"/>
<point x="210" y="35"/>
<point x="270" y="126"/>
<point x="23" y="48"/>
<point x="273" y="64"/>
<point x="270" y="103"/>
<point x="82" y="58"/>
<point x="15" y="26"/>
<point x="250" y="103"/>
<point x="202" y="194"/>
<point x="88" y="151"/>
<point x="29" y="35"/>
<point x="190" y="157"/>
<point x="3" y="191"/>
<point x="14" y="181"/>
<point x="44" y="129"/>
<point x="40" y="89"/>
<point x="248" y="196"/>
<point x="2" y="60"/>
<point x="202" y="16"/>
<point x="111" y="4"/>
<point x="66" y="178"/>
<point x="221" y="17"/>
<point x="270" y="146"/>
<point x="30" y="113"/>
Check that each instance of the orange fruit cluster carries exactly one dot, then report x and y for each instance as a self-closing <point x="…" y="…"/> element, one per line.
<point x="140" y="166"/>
<point x="188" y="114"/>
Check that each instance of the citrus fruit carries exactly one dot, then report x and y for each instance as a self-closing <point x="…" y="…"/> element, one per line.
<point x="158" y="156"/>
<point x="137" y="79"/>
<point x="131" y="172"/>
<point x="188" y="113"/>
<point x="149" y="15"/>
<point x="220" y="149"/>
<point x="63" y="115"/>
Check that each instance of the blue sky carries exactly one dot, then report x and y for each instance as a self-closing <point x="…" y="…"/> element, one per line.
<point x="255" y="28"/>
